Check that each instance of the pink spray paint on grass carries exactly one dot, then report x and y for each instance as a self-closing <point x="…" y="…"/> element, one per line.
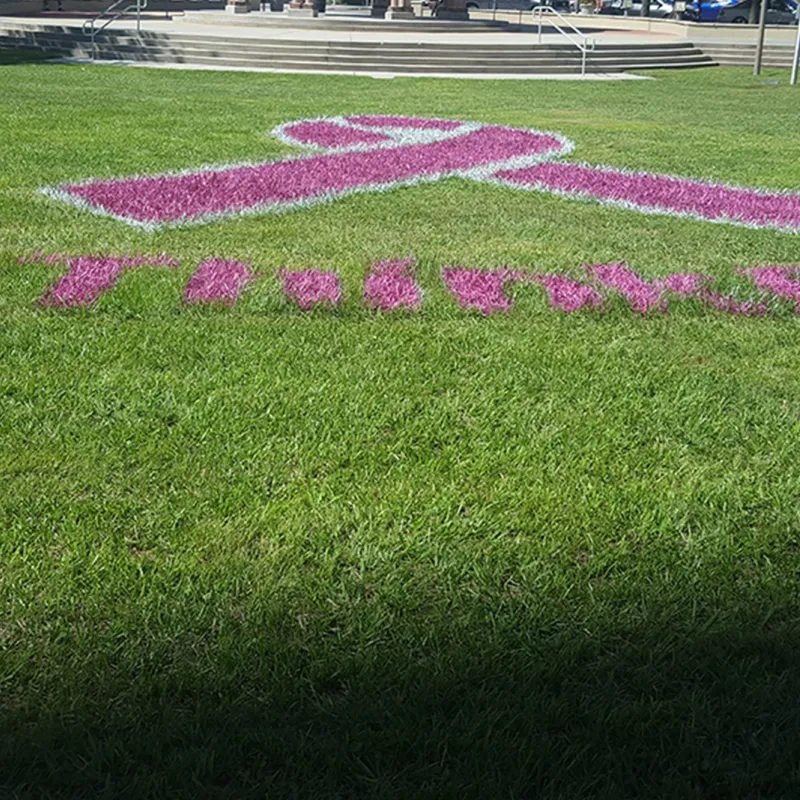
<point x="381" y="152"/>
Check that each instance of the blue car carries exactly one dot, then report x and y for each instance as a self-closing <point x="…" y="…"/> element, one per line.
<point x="708" y="11"/>
<point x="779" y="12"/>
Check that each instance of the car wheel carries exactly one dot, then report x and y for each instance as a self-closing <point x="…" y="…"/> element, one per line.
<point x="473" y="7"/>
<point x="741" y="21"/>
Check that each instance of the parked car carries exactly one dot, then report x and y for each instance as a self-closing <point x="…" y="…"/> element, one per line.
<point x="515" y="5"/>
<point x="658" y="8"/>
<point x="708" y="11"/>
<point x="779" y="12"/>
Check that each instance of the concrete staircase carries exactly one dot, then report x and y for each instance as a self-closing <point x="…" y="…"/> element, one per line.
<point x="367" y="57"/>
<point x="733" y="54"/>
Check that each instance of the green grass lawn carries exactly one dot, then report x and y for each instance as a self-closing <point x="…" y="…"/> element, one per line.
<point x="254" y="553"/>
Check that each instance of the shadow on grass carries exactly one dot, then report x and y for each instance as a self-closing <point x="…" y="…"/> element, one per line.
<point x="22" y="55"/>
<point x="639" y="712"/>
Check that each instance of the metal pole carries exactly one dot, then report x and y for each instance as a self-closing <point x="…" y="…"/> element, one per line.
<point x="138" y="16"/>
<point x="762" y="24"/>
<point x="793" y="81"/>
<point x="539" y="12"/>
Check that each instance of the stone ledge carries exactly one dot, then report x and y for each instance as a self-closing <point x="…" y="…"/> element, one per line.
<point x="399" y="14"/>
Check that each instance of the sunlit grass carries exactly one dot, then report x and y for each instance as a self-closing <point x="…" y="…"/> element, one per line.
<point x="253" y="552"/>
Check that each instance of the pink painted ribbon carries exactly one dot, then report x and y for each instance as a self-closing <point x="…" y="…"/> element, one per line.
<point x="377" y="152"/>
<point x="661" y="194"/>
<point x="429" y="153"/>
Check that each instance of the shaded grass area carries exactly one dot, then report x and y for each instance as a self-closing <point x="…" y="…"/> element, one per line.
<point x="21" y="55"/>
<point x="254" y="553"/>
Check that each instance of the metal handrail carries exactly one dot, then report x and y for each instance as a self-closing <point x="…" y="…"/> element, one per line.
<point x="585" y="43"/>
<point x="90" y="30"/>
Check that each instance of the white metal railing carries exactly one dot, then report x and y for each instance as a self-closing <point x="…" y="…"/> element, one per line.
<point x="575" y="36"/>
<point x="113" y="12"/>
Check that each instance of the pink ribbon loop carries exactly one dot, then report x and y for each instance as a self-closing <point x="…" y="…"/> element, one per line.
<point x="380" y="152"/>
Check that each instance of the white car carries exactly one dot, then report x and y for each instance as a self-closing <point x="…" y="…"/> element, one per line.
<point x="658" y="8"/>
<point x="516" y="5"/>
<point x="779" y="12"/>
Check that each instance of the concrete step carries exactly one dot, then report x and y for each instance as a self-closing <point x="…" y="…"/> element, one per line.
<point x="744" y="55"/>
<point x="415" y="52"/>
<point x="541" y="67"/>
<point x="357" y="56"/>
<point x="269" y="50"/>
<point x="385" y="46"/>
<point x="177" y="44"/>
<point x="377" y="62"/>
<point x="408" y="56"/>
